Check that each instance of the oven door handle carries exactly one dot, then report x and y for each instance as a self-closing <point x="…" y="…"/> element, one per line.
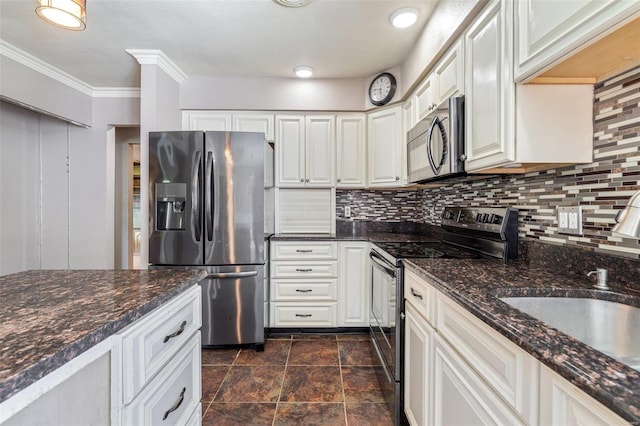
<point x="382" y="263"/>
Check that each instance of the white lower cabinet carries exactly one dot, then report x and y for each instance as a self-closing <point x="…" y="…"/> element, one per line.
<point x="353" y="284"/>
<point x="459" y="371"/>
<point x="561" y="403"/>
<point x="460" y="396"/>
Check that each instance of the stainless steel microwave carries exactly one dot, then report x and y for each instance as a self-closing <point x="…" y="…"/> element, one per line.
<point x="435" y="146"/>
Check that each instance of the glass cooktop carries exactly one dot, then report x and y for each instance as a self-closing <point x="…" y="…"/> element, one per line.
<point x="406" y="250"/>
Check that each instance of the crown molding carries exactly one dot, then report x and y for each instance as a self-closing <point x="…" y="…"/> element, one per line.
<point x="116" y="92"/>
<point x="157" y="57"/>
<point x="30" y="61"/>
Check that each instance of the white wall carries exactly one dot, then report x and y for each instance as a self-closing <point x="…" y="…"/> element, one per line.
<point x="273" y="94"/>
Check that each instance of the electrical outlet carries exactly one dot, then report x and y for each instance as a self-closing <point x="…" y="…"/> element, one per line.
<point x="570" y="220"/>
<point x="347" y="211"/>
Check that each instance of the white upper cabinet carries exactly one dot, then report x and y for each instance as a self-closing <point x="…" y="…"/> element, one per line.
<point x="254" y="122"/>
<point x="206" y="120"/>
<point x="384" y="151"/>
<point x="490" y="92"/>
<point x="305" y="151"/>
<point x="448" y="75"/>
<point x="424" y="98"/>
<point x="547" y="31"/>
<point x="351" y="142"/>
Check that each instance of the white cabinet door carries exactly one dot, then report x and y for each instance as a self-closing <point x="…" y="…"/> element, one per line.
<point x="418" y="360"/>
<point x="320" y="148"/>
<point x="384" y="151"/>
<point x="425" y="98"/>
<point x="290" y="151"/>
<point x="489" y="88"/>
<point x="254" y="122"/>
<point x="351" y="151"/>
<point x="206" y="120"/>
<point x="547" y="31"/>
<point x="460" y="396"/>
<point x="353" y="284"/>
<point x="561" y="403"/>
<point x="448" y="75"/>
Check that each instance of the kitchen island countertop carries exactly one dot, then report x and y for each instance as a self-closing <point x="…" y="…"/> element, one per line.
<point x="476" y="285"/>
<point x="48" y="317"/>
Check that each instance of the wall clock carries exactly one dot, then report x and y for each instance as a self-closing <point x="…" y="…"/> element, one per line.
<point x="382" y="89"/>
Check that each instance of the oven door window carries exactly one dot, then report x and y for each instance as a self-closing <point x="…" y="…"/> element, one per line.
<point x="437" y="144"/>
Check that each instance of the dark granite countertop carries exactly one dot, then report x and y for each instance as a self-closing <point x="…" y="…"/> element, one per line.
<point x="48" y="317"/>
<point x="477" y="284"/>
<point x="374" y="237"/>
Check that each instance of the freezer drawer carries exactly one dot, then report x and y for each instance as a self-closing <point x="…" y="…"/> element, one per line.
<point x="233" y="305"/>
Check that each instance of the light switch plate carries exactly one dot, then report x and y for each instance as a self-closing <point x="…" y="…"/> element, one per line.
<point x="570" y="220"/>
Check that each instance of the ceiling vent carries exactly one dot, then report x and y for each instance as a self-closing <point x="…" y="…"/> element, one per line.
<point x="292" y="3"/>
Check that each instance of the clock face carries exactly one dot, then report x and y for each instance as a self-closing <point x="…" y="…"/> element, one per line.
<point x="382" y="89"/>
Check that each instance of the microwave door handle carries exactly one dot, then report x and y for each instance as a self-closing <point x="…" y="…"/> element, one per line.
<point x="430" y="148"/>
<point x="208" y="196"/>
<point x="445" y="142"/>
<point x="196" y="178"/>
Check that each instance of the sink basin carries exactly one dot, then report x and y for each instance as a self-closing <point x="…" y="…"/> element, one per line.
<point x="610" y="327"/>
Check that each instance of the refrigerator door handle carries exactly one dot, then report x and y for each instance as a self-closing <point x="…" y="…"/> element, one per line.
<point x="208" y="196"/>
<point x="233" y="274"/>
<point x="195" y="194"/>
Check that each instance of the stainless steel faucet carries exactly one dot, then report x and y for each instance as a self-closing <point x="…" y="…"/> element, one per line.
<point x="601" y="279"/>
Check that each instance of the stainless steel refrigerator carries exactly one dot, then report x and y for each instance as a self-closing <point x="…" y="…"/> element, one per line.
<point x="207" y="211"/>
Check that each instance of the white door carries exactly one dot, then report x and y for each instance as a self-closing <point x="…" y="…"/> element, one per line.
<point x="206" y="120"/>
<point x="254" y="122"/>
<point x="384" y="131"/>
<point x="290" y="151"/>
<point x="353" y="284"/>
<point x="418" y="358"/>
<point x="320" y="146"/>
<point x="351" y="151"/>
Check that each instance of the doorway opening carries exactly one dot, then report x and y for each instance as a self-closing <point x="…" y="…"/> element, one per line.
<point x="127" y="198"/>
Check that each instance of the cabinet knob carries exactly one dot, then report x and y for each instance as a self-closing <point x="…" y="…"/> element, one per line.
<point x="397" y="177"/>
<point x="302" y="180"/>
<point x="306" y="180"/>
<point x="338" y="180"/>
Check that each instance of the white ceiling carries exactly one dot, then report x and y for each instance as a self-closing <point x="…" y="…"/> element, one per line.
<point x="242" y="38"/>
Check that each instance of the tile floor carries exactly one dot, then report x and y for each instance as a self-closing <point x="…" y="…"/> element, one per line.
<point x="298" y="380"/>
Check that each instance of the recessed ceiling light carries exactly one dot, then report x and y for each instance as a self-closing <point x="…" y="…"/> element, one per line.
<point x="404" y="18"/>
<point x="304" y="72"/>
<point x="293" y="3"/>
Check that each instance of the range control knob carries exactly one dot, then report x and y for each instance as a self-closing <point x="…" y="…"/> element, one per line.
<point x="497" y="219"/>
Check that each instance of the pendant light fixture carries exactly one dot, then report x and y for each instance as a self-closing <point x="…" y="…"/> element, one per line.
<point x="67" y="14"/>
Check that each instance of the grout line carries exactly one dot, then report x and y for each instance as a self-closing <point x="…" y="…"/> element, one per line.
<point x="284" y="374"/>
<point x="344" y="397"/>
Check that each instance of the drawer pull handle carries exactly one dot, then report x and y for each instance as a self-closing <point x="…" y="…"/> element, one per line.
<point x="303" y="315"/>
<point x="177" y="405"/>
<point x="174" y="334"/>
<point x="304" y="270"/>
<point x="303" y="251"/>
<point x="304" y="291"/>
<point x="416" y="294"/>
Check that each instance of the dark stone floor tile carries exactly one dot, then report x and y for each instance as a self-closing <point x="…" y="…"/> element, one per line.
<point x="219" y="356"/>
<point x="354" y="336"/>
<point x="277" y="336"/>
<point x="312" y="384"/>
<point x="318" y="336"/>
<point x="357" y="352"/>
<point x="251" y="384"/>
<point x="212" y="377"/>
<point x="315" y="414"/>
<point x="367" y="414"/>
<point x="235" y="414"/>
<point x="361" y="385"/>
<point x="275" y="353"/>
<point x="313" y="352"/>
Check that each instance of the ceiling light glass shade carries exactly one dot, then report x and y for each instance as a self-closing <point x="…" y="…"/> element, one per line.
<point x="304" y="72"/>
<point x="292" y="3"/>
<point x="404" y="18"/>
<point x="629" y="219"/>
<point x="68" y="14"/>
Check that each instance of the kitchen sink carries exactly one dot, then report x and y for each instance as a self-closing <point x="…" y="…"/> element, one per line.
<point x="610" y="327"/>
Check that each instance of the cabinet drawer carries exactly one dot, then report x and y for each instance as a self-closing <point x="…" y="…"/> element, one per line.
<point x="294" y="250"/>
<point x="322" y="289"/>
<point x="510" y="371"/>
<point x="420" y="294"/>
<point x="304" y="269"/>
<point x="304" y="315"/>
<point x="172" y="397"/>
<point x="148" y="346"/>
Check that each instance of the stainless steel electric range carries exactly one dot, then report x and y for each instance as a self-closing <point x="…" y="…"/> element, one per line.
<point x="469" y="233"/>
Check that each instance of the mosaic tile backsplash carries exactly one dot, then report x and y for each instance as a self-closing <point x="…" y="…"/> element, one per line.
<point x="602" y="188"/>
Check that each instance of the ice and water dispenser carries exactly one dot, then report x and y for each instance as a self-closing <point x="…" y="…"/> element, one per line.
<point x="170" y="206"/>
